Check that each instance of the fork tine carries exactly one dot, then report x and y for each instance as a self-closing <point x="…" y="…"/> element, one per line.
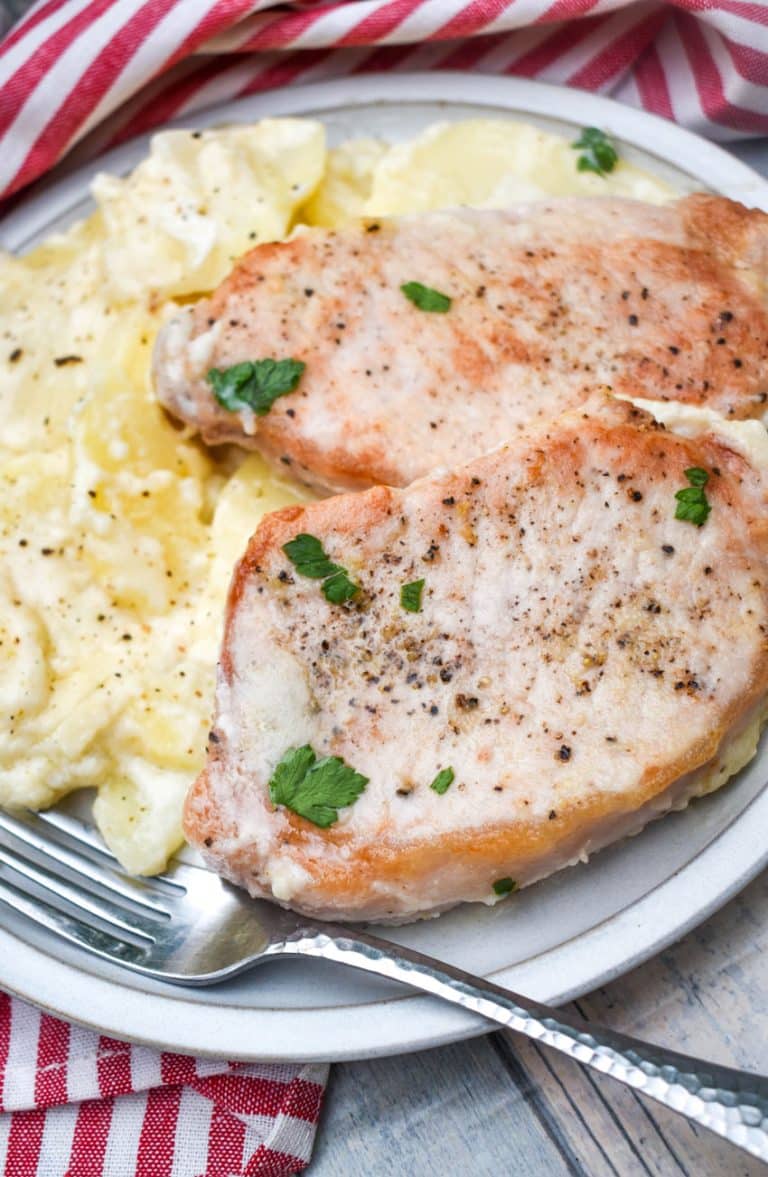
<point x="91" y="842"/>
<point x="28" y="831"/>
<point x="88" y="841"/>
<point x="177" y="876"/>
<point x="75" y="829"/>
<point x="73" y="896"/>
<point x="69" y="928"/>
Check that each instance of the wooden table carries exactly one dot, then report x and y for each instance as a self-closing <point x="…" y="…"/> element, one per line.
<point x="498" y="1105"/>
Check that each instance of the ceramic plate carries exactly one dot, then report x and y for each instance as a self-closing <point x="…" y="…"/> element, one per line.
<point x="556" y="940"/>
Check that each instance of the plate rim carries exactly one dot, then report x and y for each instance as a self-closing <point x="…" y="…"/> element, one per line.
<point x="413" y="1022"/>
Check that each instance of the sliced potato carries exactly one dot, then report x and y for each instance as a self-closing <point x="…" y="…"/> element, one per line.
<point x="200" y="199"/>
<point x="52" y="317"/>
<point x="346" y="186"/>
<point x="139" y="815"/>
<point x="488" y="163"/>
<point x="249" y="495"/>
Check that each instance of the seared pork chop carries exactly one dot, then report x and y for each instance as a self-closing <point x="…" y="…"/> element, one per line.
<point x="577" y="661"/>
<point x="547" y="301"/>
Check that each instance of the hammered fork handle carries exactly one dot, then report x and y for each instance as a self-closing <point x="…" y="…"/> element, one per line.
<point x="731" y="1103"/>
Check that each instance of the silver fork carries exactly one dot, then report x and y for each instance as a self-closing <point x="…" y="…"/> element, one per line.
<point x="190" y="928"/>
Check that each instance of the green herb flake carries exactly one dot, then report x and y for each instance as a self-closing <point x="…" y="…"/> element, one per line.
<point x="425" y="298"/>
<point x="696" y="476"/>
<point x="410" y="596"/>
<point x="504" y="886"/>
<point x="598" y="153"/>
<point x="692" y="503"/>
<point x="339" y="588"/>
<point x="315" y="789"/>
<point x="309" y="558"/>
<point x="254" y="384"/>
<point x="443" y="781"/>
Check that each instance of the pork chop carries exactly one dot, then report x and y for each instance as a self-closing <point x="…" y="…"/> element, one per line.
<point x="547" y="301"/>
<point x="577" y="661"/>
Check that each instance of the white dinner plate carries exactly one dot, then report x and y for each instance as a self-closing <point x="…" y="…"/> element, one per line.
<point x="560" y="938"/>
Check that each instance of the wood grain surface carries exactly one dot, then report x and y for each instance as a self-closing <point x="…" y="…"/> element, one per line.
<point x="499" y="1105"/>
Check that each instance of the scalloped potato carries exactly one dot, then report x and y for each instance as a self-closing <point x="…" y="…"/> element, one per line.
<point x="176" y="225"/>
<point x="117" y="533"/>
<point x="486" y="163"/>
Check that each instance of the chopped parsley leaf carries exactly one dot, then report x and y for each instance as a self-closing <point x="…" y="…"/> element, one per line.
<point x="410" y="596"/>
<point x="598" y="153"/>
<point x="315" y="789"/>
<point x="309" y="558"/>
<point x="696" y="476"/>
<point x="339" y="588"/>
<point x="692" y="503"/>
<point x="504" y="886"/>
<point x="443" y="781"/>
<point x="254" y="384"/>
<point x="425" y="298"/>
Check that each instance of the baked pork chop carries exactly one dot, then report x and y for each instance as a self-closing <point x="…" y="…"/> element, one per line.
<point x="546" y="301"/>
<point x="447" y="692"/>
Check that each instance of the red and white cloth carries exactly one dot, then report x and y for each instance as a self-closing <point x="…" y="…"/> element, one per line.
<point x="108" y="69"/>
<point x="94" y="72"/>
<point x="77" y="1104"/>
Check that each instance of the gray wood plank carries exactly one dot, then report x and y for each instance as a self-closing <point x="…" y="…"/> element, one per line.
<point x="445" y="1111"/>
<point x="500" y="1105"/>
<point x="707" y="996"/>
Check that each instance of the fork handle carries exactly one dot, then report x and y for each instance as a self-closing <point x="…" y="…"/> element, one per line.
<point x="731" y="1103"/>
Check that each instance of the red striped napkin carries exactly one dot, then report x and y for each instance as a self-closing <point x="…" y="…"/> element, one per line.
<point x="107" y="69"/>
<point x="77" y="1104"/>
<point x="86" y="74"/>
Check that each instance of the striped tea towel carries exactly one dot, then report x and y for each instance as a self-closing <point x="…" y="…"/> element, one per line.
<point x="92" y="73"/>
<point x="77" y="1104"/>
<point x="108" y="69"/>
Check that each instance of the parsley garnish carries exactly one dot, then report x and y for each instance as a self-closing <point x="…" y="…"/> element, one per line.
<point x="425" y="298"/>
<point x="599" y="154"/>
<point x="308" y="557"/>
<point x="692" y="503"/>
<point x="443" y="780"/>
<point x="410" y="596"/>
<point x="315" y="789"/>
<point x="504" y="886"/>
<point x="339" y="588"/>
<point x="254" y="384"/>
